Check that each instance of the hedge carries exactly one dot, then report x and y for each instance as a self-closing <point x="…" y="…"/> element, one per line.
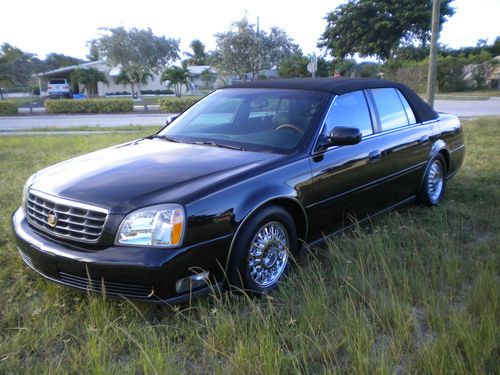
<point x="177" y="105"/>
<point x="89" y="105"/>
<point x="7" y="108"/>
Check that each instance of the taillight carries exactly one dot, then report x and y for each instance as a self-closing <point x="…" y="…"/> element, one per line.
<point x="65" y="87"/>
<point x="49" y="87"/>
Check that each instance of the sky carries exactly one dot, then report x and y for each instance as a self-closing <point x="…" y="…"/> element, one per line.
<point x="64" y="26"/>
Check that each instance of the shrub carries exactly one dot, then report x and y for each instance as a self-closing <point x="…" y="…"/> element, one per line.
<point x="7" y="108"/>
<point x="411" y="73"/>
<point x="89" y="105"/>
<point x="157" y="92"/>
<point x="177" y="105"/>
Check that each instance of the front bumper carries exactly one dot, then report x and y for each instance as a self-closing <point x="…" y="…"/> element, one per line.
<point x="136" y="273"/>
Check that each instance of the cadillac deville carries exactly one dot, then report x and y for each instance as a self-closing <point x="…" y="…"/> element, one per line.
<point x="234" y="187"/>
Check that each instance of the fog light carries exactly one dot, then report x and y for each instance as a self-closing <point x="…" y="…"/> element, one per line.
<point x="191" y="282"/>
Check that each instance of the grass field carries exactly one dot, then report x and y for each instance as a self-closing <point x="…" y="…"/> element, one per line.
<point x="416" y="291"/>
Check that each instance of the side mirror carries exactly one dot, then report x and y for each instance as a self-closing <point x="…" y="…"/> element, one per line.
<point x="343" y="136"/>
<point x="170" y="119"/>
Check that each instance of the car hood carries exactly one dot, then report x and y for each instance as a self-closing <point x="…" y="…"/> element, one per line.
<point x="144" y="172"/>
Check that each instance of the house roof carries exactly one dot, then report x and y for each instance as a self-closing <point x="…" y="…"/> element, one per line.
<point x="198" y="69"/>
<point x="69" y="69"/>
<point x="339" y="86"/>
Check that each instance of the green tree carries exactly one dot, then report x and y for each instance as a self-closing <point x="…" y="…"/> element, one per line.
<point x="243" y="50"/>
<point x="16" y="67"/>
<point x="177" y="77"/>
<point x="89" y="78"/>
<point x="199" y="56"/>
<point x="294" y="66"/>
<point x="93" y="50"/>
<point x="137" y="52"/>
<point x="58" y="60"/>
<point x="345" y="67"/>
<point x="378" y="27"/>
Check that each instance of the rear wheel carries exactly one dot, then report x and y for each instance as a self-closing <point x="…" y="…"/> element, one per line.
<point x="262" y="250"/>
<point x="434" y="185"/>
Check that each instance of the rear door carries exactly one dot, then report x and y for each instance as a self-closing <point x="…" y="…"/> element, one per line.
<point x="406" y="143"/>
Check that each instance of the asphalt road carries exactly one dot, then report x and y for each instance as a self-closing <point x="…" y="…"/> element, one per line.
<point x="463" y="108"/>
<point x="470" y="108"/>
<point x="70" y="121"/>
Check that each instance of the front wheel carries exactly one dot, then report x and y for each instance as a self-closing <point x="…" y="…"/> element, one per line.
<point x="262" y="250"/>
<point x="434" y="184"/>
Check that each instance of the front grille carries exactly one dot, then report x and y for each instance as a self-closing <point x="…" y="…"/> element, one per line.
<point x="108" y="287"/>
<point x="73" y="220"/>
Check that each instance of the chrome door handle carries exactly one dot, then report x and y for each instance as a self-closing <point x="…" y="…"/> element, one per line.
<point x="375" y="156"/>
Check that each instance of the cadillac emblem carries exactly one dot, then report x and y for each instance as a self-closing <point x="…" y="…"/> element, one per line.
<point x="52" y="219"/>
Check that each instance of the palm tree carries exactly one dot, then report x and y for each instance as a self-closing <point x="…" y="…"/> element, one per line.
<point x="89" y="78"/>
<point x="199" y="56"/>
<point x="177" y="77"/>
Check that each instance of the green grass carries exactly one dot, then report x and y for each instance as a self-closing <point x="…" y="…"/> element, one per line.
<point x="417" y="291"/>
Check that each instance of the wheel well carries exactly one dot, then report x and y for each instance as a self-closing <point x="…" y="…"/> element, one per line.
<point x="446" y="156"/>
<point x="297" y="213"/>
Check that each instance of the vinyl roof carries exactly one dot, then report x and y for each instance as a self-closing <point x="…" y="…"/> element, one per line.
<point x="339" y="86"/>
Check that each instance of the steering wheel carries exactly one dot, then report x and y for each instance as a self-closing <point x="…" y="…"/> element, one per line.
<point x="290" y="126"/>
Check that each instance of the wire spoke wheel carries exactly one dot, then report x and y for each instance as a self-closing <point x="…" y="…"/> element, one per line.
<point x="268" y="254"/>
<point x="435" y="181"/>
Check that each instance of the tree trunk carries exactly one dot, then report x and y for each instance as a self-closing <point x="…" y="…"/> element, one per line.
<point x="431" y="77"/>
<point x="139" y="84"/>
<point x="133" y="89"/>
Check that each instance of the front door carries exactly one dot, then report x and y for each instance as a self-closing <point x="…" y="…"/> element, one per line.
<point x="346" y="178"/>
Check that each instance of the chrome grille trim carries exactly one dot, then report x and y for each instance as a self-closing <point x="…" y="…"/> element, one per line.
<point x="105" y="286"/>
<point x="26" y="258"/>
<point x="75" y="221"/>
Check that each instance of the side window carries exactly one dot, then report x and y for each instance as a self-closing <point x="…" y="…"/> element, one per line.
<point x="349" y="110"/>
<point x="409" y="111"/>
<point x="390" y="108"/>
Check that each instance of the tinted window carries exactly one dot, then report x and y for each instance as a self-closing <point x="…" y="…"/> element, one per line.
<point x="349" y="110"/>
<point x="390" y="109"/>
<point x="409" y="112"/>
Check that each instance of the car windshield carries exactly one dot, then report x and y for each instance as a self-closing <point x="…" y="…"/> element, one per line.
<point x="270" y="120"/>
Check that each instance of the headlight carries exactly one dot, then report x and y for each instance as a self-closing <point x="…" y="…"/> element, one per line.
<point x="26" y="187"/>
<point x="159" y="226"/>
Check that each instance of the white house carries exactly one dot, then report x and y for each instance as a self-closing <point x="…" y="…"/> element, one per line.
<point x="204" y="78"/>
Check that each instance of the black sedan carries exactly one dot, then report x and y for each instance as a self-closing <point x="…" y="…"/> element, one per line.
<point x="234" y="187"/>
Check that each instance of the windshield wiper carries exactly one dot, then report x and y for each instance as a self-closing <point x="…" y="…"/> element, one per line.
<point x="221" y="145"/>
<point x="165" y="137"/>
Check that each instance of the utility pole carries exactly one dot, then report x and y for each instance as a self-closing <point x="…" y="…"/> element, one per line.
<point x="431" y="77"/>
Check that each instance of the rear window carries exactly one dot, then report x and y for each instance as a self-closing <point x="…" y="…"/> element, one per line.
<point x="409" y="111"/>
<point x="57" y="81"/>
<point x="390" y="108"/>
